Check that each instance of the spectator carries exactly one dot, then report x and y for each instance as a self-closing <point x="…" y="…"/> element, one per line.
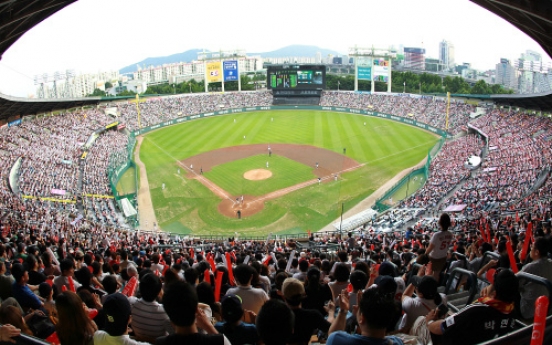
<point x="317" y="294"/>
<point x="252" y="298"/>
<point x="373" y="325"/>
<point x="342" y="273"/>
<point x="74" y="327"/>
<point x="302" y="274"/>
<point x="540" y="266"/>
<point x="181" y="304"/>
<point x="490" y="318"/>
<point x="237" y="331"/>
<point x="275" y="312"/>
<point x="21" y="291"/>
<point x="66" y="278"/>
<point x="117" y="318"/>
<point x="427" y="299"/>
<point x="306" y="320"/>
<point x="439" y="245"/>
<point x="149" y="319"/>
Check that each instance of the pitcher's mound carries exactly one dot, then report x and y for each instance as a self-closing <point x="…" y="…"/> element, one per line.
<point x="257" y="174"/>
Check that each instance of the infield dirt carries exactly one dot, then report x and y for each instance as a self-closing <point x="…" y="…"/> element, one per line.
<point x="325" y="163"/>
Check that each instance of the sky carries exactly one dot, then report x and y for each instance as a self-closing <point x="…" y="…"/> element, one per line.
<point x="102" y="35"/>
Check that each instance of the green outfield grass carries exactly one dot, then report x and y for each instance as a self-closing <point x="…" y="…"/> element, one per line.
<point x="285" y="173"/>
<point x="186" y="206"/>
<point x="127" y="182"/>
<point x="407" y="189"/>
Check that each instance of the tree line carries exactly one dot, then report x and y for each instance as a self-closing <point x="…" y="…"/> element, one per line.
<point x="408" y="82"/>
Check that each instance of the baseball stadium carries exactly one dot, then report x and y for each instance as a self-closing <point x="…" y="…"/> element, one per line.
<point x="289" y="173"/>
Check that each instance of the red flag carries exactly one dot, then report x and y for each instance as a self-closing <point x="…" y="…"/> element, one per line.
<point x="218" y="283"/>
<point x="230" y="271"/>
<point x="490" y="275"/>
<point x="539" y="320"/>
<point x="526" y="242"/>
<point x="53" y="339"/>
<point x="207" y="276"/>
<point x="513" y="264"/>
<point x="483" y="234"/>
<point x="71" y="284"/>
<point x="130" y="287"/>
<point x="517" y="216"/>
<point x="212" y="263"/>
<point x="92" y="313"/>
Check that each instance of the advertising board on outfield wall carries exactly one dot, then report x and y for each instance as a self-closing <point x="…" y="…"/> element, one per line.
<point x="338" y="109"/>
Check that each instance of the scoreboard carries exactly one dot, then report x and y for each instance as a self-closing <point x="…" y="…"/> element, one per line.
<point x="296" y="77"/>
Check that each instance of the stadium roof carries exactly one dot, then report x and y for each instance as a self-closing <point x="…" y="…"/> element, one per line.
<point x="532" y="17"/>
<point x="19" y="16"/>
<point x="14" y="106"/>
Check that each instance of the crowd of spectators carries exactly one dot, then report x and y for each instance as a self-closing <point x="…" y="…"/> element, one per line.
<point x="47" y="255"/>
<point x="427" y="109"/>
<point x="158" y="110"/>
<point x="446" y="171"/>
<point x="122" y="288"/>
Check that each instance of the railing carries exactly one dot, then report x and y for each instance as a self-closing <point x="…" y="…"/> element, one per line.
<point x="24" y="339"/>
<point x="461" y="272"/>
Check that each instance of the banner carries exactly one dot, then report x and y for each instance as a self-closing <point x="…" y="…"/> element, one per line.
<point x="364" y="73"/>
<point x="14" y="123"/>
<point x="230" y="69"/>
<point x="213" y="72"/>
<point x="113" y="124"/>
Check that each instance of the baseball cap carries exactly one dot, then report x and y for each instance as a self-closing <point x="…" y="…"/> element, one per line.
<point x="231" y="307"/>
<point x="293" y="289"/>
<point x="117" y="313"/>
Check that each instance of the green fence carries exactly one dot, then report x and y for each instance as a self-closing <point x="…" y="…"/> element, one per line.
<point x="119" y="162"/>
<point x="389" y="198"/>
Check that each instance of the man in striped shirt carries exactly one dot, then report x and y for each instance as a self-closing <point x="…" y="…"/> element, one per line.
<point x="149" y="319"/>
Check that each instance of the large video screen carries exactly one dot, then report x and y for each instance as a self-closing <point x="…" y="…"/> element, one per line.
<point x="296" y="77"/>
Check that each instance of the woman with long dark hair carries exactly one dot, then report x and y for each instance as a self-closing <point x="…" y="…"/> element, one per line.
<point x="74" y="327"/>
<point x="317" y="293"/>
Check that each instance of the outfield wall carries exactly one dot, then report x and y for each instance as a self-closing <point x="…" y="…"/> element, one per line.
<point x="337" y="109"/>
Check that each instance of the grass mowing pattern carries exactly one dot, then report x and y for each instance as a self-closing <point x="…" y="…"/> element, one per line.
<point x="285" y="173"/>
<point x="385" y="146"/>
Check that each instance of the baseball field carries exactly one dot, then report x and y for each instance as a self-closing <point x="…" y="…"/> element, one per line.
<point x="274" y="171"/>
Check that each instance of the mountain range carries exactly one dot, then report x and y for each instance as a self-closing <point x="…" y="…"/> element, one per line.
<point x="191" y="55"/>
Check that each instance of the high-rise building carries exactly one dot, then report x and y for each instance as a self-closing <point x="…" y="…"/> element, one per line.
<point x="506" y="75"/>
<point x="531" y="55"/>
<point x="446" y="54"/>
<point x="414" y="58"/>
